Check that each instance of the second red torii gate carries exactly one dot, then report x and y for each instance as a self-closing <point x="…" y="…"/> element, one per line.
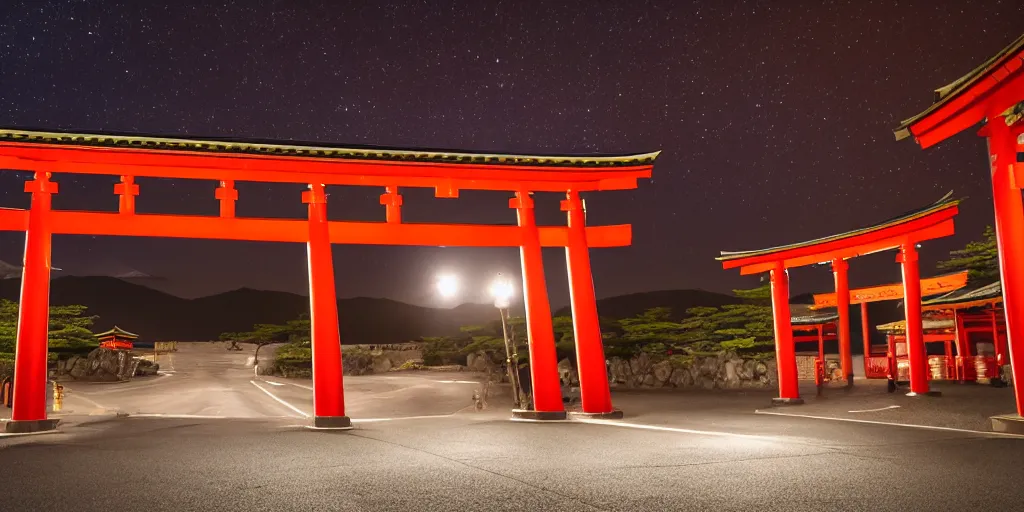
<point x="903" y="233"/>
<point x="318" y="165"/>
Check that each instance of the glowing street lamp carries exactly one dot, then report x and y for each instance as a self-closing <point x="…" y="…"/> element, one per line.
<point x="502" y="290"/>
<point x="448" y="285"/>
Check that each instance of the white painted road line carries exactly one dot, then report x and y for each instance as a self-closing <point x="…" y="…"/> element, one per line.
<point x="906" y="425"/>
<point x="180" y="416"/>
<point x="310" y="388"/>
<point x="457" y="381"/>
<point x="879" y="409"/>
<point x="282" y="402"/>
<point x="616" y="423"/>
<point x="375" y="420"/>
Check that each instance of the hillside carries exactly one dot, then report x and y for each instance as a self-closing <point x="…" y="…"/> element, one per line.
<point x="626" y="306"/>
<point x="156" y="315"/>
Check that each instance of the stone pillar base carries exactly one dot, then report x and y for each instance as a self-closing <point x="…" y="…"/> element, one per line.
<point x="787" y="401"/>
<point x="332" y="422"/>
<point x="522" y="414"/>
<point x="615" y="414"/>
<point x="29" y="426"/>
<point x="930" y="393"/>
<point x="1008" y="423"/>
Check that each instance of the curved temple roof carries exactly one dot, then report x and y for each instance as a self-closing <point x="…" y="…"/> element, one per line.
<point x="315" y="150"/>
<point x="967" y="297"/>
<point x="804" y="315"/>
<point x="1010" y="58"/>
<point x="947" y="201"/>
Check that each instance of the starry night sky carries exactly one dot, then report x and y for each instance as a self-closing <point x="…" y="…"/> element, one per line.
<point x="775" y="119"/>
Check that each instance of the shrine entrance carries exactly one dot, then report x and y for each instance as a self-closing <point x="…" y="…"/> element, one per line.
<point x="904" y="233"/>
<point x="227" y="162"/>
<point x="993" y="94"/>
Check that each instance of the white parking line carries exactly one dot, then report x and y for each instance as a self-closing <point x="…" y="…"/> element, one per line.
<point x="310" y="388"/>
<point x="616" y="423"/>
<point x="879" y="409"/>
<point x="375" y="420"/>
<point x="282" y="402"/>
<point x="181" y="416"/>
<point x="906" y="425"/>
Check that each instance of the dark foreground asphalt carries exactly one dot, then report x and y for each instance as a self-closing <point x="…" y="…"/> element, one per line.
<point x="479" y="461"/>
<point x="674" y="451"/>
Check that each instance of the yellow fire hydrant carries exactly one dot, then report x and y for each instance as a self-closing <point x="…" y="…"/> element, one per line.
<point x="58" y="396"/>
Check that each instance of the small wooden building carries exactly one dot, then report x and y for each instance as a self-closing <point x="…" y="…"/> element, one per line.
<point x="117" y="339"/>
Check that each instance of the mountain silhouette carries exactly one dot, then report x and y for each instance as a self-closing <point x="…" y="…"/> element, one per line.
<point x="156" y="315"/>
<point x="627" y="306"/>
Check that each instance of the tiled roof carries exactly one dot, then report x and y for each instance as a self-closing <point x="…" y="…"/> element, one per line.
<point x="316" y="150"/>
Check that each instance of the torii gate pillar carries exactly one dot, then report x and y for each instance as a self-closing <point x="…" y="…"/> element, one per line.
<point x="1009" y="214"/>
<point x="328" y="388"/>
<point x="785" y="349"/>
<point x="595" y="393"/>
<point x="916" y="353"/>
<point x="547" y="394"/>
<point x="29" y="407"/>
<point x="840" y="268"/>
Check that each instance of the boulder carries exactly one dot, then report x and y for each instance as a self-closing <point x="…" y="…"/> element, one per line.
<point x="747" y="370"/>
<point x="709" y="367"/>
<point x="565" y="367"/>
<point x="730" y="377"/>
<point x="381" y="364"/>
<point x="760" y="369"/>
<point x="649" y="380"/>
<point x="662" y="371"/>
<point x="620" y="370"/>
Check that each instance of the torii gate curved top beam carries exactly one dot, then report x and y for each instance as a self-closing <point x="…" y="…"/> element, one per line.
<point x="902" y="232"/>
<point x="932" y="221"/>
<point x="252" y="160"/>
<point x="994" y="86"/>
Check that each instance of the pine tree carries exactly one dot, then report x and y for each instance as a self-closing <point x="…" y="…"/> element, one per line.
<point x="979" y="258"/>
<point x="69" y="328"/>
<point x="746" y="326"/>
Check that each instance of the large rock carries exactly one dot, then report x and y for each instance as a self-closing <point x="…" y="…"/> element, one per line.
<point x="731" y="372"/>
<point x="620" y="370"/>
<point x="381" y="364"/>
<point x="662" y="371"/>
<point x="565" y="366"/>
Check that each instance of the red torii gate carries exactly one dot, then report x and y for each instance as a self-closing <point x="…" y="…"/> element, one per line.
<point x="994" y="93"/>
<point x="318" y="165"/>
<point x="930" y="286"/>
<point x="903" y="233"/>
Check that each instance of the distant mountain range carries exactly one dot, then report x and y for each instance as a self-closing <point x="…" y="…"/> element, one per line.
<point x="156" y="315"/>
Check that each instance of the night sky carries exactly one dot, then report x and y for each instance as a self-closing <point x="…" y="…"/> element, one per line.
<point x="775" y="120"/>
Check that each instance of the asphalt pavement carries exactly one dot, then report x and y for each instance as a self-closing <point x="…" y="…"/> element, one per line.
<point x="420" y="448"/>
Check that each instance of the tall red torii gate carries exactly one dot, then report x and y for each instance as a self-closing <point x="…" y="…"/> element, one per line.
<point x="903" y="233"/>
<point x="317" y="165"/>
<point x="992" y="93"/>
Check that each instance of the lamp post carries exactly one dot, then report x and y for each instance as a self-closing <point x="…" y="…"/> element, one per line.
<point x="502" y="290"/>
